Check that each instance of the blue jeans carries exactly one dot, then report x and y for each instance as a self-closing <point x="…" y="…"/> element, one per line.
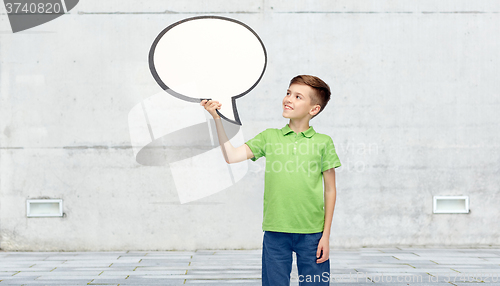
<point x="277" y="259"/>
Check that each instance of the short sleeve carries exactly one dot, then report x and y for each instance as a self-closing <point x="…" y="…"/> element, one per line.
<point x="257" y="145"/>
<point x="329" y="158"/>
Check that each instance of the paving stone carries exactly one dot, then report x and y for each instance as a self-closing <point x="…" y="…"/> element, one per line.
<point x="72" y="279"/>
<point x="248" y="282"/>
<point x="172" y="266"/>
<point x="60" y="273"/>
<point x="412" y="284"/>
<point x="41" y="283"/>
<point x="467" y="284"/>
<point x="143" y="272"/>
<point x="53" y="282"/>
<point x="76" y="268"/>
<point x="7" y="273"/>
<point x="138" y="281"/>
<point x="242" y="273"/>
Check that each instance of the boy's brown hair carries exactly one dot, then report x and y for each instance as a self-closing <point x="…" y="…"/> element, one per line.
<point x="322" y="94"/>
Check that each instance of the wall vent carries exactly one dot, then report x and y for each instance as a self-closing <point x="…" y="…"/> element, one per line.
<point x="44" y="208"/>
<point x="451" y="204"/>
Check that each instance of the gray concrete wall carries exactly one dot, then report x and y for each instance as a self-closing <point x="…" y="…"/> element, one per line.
<point x="415" y="96"/>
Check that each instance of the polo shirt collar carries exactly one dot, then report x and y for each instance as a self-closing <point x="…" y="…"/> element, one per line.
<point x="308" y="133"/>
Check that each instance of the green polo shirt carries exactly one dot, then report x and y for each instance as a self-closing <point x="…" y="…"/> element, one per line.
<point x="293" y="191"/>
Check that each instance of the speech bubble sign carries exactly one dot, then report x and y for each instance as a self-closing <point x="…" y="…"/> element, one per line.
<point x="208" y="57"/>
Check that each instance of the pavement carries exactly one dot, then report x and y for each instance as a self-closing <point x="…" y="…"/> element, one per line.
<point x="365" y="266"/>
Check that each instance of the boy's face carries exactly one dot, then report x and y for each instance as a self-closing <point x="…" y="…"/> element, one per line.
<point x="297" y="102"/>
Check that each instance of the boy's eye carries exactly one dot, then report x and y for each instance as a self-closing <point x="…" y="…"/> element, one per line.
<point x="298" y="96"/>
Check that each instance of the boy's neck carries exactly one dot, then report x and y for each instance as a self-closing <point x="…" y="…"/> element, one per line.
<point x="299" y="125"/>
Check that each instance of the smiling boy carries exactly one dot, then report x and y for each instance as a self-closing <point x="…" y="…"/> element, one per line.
<point x="298" y="212"/>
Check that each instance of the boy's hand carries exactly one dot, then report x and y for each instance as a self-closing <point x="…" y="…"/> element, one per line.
<point x="323" y="245"/>
<point x="211" y="106"/>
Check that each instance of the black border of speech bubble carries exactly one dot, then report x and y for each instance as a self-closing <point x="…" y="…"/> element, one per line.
<point x="191" y="99"/>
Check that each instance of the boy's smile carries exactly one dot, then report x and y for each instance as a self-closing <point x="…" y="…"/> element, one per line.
<point x="297" y="102"/>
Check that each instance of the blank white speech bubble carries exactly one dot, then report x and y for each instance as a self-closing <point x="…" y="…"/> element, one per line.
<point x="208" y="57"/>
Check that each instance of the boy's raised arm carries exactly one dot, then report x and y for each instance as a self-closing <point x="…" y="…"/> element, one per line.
<point x="231" y="154"/>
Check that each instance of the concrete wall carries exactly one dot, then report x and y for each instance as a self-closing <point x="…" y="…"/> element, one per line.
<point x="414" y="114"/>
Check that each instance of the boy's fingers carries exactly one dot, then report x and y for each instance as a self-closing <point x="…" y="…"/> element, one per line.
<point x="322" y="259"/>
<point x="210" y="104"/>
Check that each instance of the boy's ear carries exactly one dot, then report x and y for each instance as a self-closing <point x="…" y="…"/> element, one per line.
<point x="315" y="110"/>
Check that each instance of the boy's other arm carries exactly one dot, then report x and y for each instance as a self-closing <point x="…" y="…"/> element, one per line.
<point x="231" y="154"/>
<point x="330" y="198"/>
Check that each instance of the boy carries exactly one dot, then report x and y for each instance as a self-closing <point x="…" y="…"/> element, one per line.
<point x="297" y="218"/>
